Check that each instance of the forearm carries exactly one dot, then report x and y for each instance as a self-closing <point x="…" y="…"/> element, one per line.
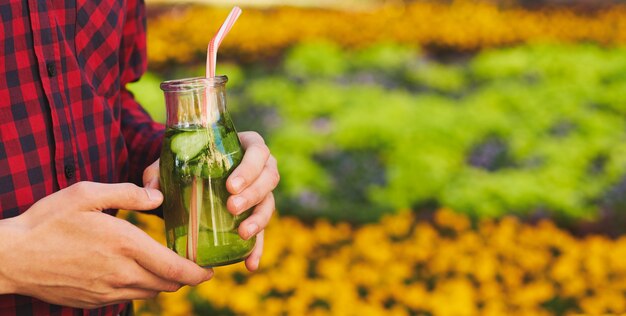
<point x="10" y="233"/>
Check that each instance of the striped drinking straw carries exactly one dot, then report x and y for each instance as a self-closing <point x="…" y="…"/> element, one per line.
<point x="215" y="42"/>
<point x="197" y="185"/>
<point x="211" y="58"/>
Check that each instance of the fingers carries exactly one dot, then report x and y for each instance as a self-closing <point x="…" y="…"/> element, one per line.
<point x="141" y="278"/>
<point x="252" y="262"/>
<point x="124" y="295"/>
<point x="252" y="183"/>
<point x="259" y="219"/>
<point x="248" y="228"/>
<point x="164" y="263"/>
<point x="99" y="196"/>
<point x="151" y="176"/>
<point x="117" y="297"/>
<point x="136" y="294"/>
<point x="253" y="163"/>
<point x="257" y="190"/>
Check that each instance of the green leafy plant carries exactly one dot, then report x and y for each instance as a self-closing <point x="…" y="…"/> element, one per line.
<point x="531" y="129"/>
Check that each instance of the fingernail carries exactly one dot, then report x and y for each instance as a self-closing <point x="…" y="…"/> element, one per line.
<point x="252" y="229"/>
<point x="238" y="202"/>
<point x="237" y="183"/>
<point x="152" y="183"/>
<point x="256" y="261"/>
<point x="210" y="274"/>
<point x="153" y="194"/>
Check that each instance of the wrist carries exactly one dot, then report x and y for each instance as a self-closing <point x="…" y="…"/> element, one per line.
<point x="11" y="230"/>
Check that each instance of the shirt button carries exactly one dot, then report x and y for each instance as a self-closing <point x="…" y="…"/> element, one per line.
<point x="69" y="171"/>
<point x="52" y="69"/>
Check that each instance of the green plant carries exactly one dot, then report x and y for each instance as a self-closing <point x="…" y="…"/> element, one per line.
<point x="531" y="129"/>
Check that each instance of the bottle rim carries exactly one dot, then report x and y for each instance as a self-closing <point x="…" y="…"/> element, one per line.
<point x="195" y="83"/>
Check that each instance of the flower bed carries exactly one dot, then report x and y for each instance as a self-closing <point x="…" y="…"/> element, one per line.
<point x="402" y="266"/>
<point x="182" y="34"/>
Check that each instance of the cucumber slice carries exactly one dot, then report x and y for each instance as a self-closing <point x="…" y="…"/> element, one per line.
<point x="220" y="220"/>
<point x="188" y="145"/>
<point x="216" y="217"/>
<point x="224" y="220"/>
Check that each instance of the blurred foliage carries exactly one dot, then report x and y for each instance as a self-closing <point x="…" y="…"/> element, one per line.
<point x="402" y="266"/>
<point x="180" y="34"/>
<point x="146" y="91"/>
<point x="534" y="130"/>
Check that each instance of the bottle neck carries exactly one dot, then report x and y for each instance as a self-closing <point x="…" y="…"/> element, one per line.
<point x="195" y="102"/>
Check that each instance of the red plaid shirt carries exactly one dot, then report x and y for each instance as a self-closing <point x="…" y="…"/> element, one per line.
<point x="65" y="114"/>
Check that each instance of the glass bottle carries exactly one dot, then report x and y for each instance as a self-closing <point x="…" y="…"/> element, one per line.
<point x="200" y="150"/>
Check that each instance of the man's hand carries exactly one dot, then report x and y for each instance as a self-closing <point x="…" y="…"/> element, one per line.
<point x="64" y="251"/>
<point x="250" y="184"/>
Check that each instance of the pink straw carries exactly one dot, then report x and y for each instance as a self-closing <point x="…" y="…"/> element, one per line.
<point x="211" y="58"/>
<point x="198" y="184"/>
<point x="192" y="234"/>
<point x="215" y="42"/>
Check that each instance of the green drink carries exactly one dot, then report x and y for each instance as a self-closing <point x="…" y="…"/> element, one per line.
<point x="200" y="150"/>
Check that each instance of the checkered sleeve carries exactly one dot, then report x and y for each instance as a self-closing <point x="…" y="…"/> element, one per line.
<point x="143" y="135"/>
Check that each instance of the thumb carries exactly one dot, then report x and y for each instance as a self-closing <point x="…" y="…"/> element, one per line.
<point x="151" y="176"/>
<point x="95" y="196"/>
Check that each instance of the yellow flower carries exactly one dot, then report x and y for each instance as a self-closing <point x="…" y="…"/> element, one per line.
<point x="176" y="303"/>
<point x="484" y="266"/>
<point x="595" y="260"/>
<point x="319" y="311"/>
<point x="397" y="271"/>
<point x="616" y="256"/>
<point x="372" y="244"/>
<point x="331" y="269"/>
<point x="573" y="287"/>
<point x="242" y="300"/>
<point x="533" y="294"/>
<point x="396" y="311"/>
<point x="398" y="225"/>
<point x="613" y="299"/>
<point x="299" y="240"/>
<point x="461" y="25"/>
<point x="362" y="273"/>
<point x="213" y="291"/>
<point x="364" y="309"/>
<point x="414" y="296"/>
<point x="454" y="297"/>
<point x="512" y="276"/>
<point x="259" y="283"/>
<point x="422" y="244"/>
<point x="447" y="218"/>
<point x="593" y="305"/>
<point x="326" y="234"/>
<point x="494" y="308"/>
<point x="490" y="291"/>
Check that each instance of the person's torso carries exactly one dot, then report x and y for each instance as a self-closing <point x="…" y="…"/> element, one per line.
<point x="59" y="98"/>
<point x="59" y="109"/>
